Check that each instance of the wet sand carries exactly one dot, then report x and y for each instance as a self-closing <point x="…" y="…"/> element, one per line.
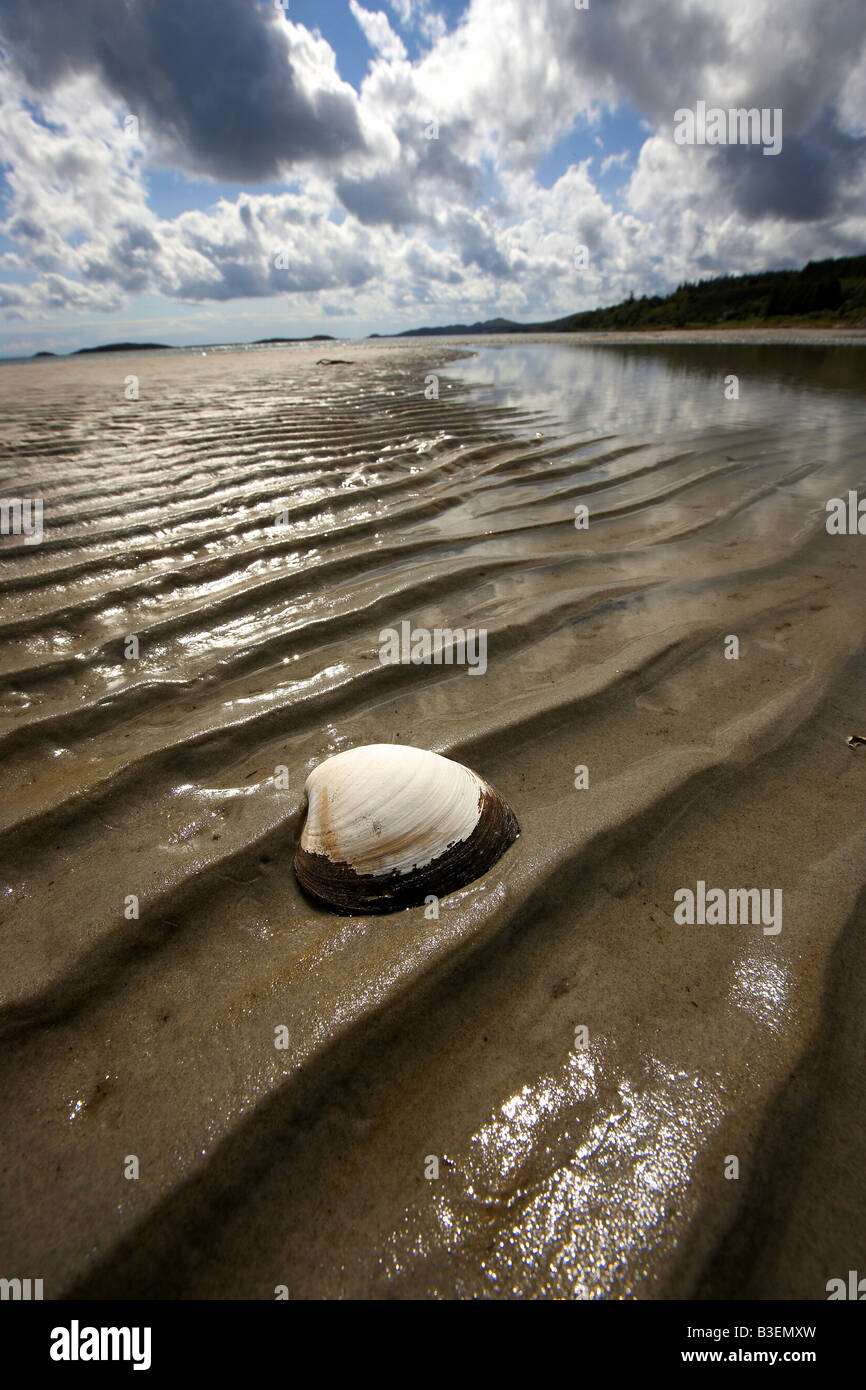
<point x="565" y="1171"/>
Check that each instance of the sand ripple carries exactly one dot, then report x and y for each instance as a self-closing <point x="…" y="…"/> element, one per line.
<point x="564" y="1171"/>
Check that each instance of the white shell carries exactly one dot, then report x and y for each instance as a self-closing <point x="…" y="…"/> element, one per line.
<point x="390" y="812"/>
<point x="385" y="807"/>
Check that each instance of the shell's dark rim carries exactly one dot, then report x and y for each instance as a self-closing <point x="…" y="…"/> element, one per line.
<point x="340" y="888"/>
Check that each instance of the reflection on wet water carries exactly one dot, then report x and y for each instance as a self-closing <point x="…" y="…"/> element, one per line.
<point x="760" y="989"/>
<point x="655" y="391"/>
<point x="570" y="1187"/>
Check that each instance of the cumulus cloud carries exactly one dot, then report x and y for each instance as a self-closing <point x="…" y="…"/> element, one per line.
<point x="229" y="88"/>
<point x="79" y="206"/>
<point x="815" y="179"/>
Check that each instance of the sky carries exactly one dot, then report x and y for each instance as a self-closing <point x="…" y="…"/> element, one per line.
<point x="197" y="171"/>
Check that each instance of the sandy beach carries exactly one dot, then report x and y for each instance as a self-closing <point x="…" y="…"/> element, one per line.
<point x="582" y="1065"/>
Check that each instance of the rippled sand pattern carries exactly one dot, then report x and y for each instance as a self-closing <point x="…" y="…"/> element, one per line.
<point x="564" y="1170"/>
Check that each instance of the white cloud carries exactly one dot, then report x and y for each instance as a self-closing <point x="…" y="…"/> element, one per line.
<point x="611" y="161"/>
<point x="419" y="14"/>
<point x="378" y="32"/>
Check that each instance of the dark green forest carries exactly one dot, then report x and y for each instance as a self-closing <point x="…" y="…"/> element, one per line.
<point x="824" y="292"/>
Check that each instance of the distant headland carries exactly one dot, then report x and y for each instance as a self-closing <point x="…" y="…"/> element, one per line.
<point x="120" y="347"/>
<point x="316" y="338"/>
<point x="153" y="347"/>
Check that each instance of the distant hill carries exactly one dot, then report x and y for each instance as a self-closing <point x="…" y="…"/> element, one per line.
<point x="490" y="326"/>
<point x="823" y="293"/>
<point x="121" y="347"/>
<point x="317" y="338"/>
<point x="148" y="347"/>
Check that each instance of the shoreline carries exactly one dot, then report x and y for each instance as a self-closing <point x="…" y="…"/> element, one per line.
<point x="804" y="334"/>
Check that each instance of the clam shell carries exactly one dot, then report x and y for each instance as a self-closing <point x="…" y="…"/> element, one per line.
<point x="388" y="825"/>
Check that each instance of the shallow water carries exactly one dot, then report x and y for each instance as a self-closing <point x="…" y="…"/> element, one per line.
<point x="565" y="1170"/>
<point x="653" y="389"/>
